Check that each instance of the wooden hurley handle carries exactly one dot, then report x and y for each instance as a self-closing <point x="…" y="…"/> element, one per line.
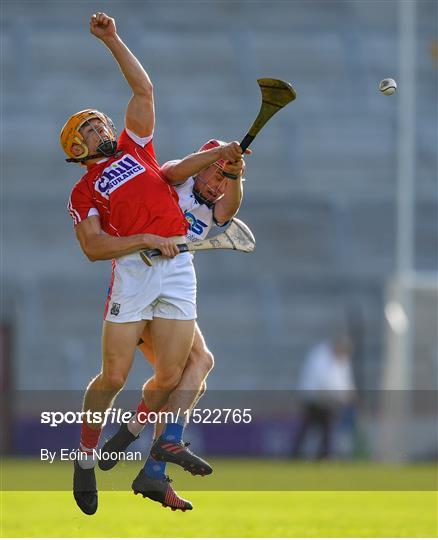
<point x="147" y="254"/>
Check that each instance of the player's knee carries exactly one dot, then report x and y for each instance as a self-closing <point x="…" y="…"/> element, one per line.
<point x="206" y="362"/>
<point x="113" y="381"/>
<point x="169" y="380"/>
<point x="209" y="361"/>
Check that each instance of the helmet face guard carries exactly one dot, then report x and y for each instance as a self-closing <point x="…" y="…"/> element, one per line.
<point x="70" y="135"/>
<point x="210" y="183"/>
<point x="107" y="148"/>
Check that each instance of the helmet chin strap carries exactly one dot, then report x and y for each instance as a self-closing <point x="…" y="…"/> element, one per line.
<point x="106" y="148"/>
<point x="202" y="200"/>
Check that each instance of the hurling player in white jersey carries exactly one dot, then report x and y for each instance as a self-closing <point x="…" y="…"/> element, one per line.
<point x="212" y="197"/>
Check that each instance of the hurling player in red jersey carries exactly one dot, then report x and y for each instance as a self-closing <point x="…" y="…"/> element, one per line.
<point x="121" y="205"/>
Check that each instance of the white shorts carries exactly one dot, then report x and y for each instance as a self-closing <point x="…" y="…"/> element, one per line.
<point x="167" y="289"/>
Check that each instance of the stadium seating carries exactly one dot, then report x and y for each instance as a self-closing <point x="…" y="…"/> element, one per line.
<point x="320" y="190"/>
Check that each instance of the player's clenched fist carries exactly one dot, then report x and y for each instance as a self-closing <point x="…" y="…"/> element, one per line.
<point x="236" y="168"/>
<point x="102" y="26"/>
<point x="167" y="246"/>
<point x="231" y="151"/>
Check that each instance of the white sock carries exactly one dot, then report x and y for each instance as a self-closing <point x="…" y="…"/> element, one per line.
<point x="135" y="427"/>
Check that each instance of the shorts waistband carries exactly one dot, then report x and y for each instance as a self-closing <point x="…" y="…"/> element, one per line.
<point x="136" y="255"/>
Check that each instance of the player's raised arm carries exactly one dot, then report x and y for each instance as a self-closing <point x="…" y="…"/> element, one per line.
<point x="228" y="205"/>
<point x="178" y="171"/>
<point x="140" y="115"/>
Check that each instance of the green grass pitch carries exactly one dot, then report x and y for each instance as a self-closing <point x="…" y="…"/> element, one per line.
<point x="222" y="513"/>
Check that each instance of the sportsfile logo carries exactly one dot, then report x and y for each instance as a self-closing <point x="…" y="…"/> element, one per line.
<point x="117" y="174"/>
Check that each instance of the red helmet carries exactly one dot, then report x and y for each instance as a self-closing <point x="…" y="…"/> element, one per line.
<point x="210" y="183"/>
<point x="214" y="143"/>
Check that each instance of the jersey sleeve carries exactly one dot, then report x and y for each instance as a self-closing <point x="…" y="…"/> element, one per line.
<point x="81" y="204"/>
<point x="129" y="142"/>
<point x="141" y="141"/>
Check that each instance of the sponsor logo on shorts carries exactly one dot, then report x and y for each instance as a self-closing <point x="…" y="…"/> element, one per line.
<point x="115" y="309"/>
<point x="195" y="225"/>
<point x="117" y="174"/>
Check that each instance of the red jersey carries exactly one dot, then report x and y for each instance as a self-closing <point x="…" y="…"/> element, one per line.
<point x="129" y="193"/>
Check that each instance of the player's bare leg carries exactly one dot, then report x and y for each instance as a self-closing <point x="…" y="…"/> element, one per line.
<point x="119" y="341"/>
<point x="152" y="481"/>
<point x="171" y="342"/>
<point x="170" y="361"/>
<point x="118" y="349"/>
<point x="193" y="381"/>
<point x="170" y="447"/>
<point x="185" y="396"/>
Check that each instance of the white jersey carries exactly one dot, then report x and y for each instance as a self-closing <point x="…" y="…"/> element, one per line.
<point x="198" y="215"/>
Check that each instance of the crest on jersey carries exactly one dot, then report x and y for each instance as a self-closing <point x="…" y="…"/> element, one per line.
<point x="118" y="173"/>
<point x="115" y="309"/>
<point x="195" y="225"/>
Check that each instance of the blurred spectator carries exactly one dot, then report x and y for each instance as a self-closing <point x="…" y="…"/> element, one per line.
<point x="326" y="389"/>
